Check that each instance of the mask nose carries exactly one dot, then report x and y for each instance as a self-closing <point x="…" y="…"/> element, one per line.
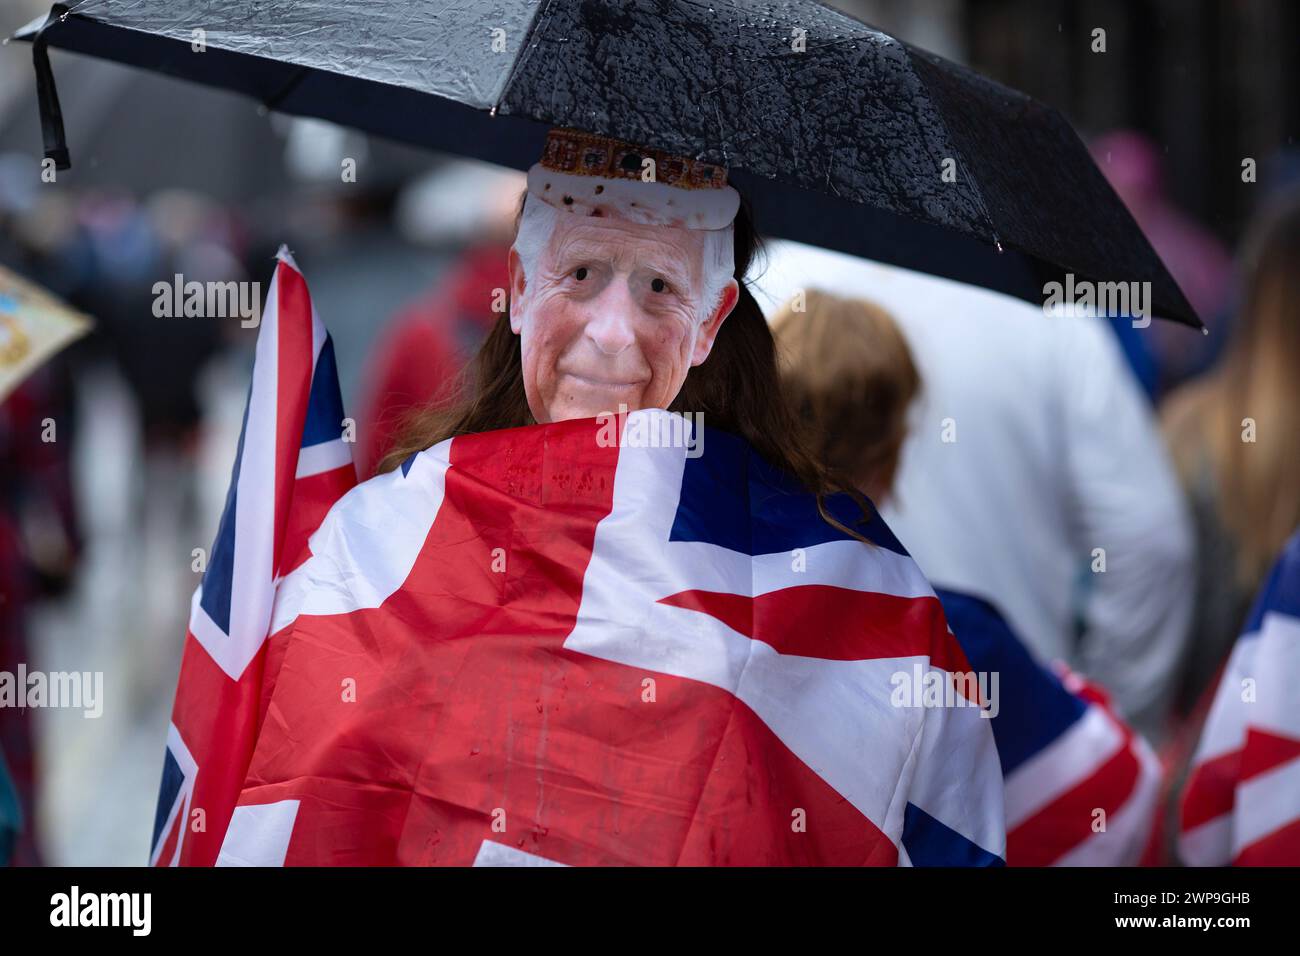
<point x="611" y="318"/>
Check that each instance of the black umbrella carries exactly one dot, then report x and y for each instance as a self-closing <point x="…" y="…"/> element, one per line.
<point x="220" y="146"/>
<point x="842" y="136"/>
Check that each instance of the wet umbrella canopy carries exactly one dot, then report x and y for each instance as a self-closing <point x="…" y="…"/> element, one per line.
<point x="840" y="135"/>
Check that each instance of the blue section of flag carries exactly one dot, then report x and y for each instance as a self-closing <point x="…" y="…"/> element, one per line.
<point x="172" y="778"/>
<point x="325" y="404"/>
<point x="776" y="516"/>
<point x="931" y="843"/>
<point x="218" y="579"/>
<point x="1034" y="708"/>
<point x="1281" y="592"/>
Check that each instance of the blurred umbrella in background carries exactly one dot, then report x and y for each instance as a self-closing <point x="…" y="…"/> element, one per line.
<point x="33" y="326"/>
<point x="842" y="136"/>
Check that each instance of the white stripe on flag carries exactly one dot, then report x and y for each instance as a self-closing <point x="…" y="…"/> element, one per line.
<point x="1210" y="844"/>
<point x="1128" y="828"/>
<point x="326" y="456"/>
<point x="189" y="769"/>
<point x="367" y="544"/>
<point x="259" y="834"/>
<point x="1225" y="725"/>
<point x="252" y="581"/>
<point x="227" y="654"/>
<point x="1059" y="767"/>
<point x="1266" y="803"/>
<point x="498" y="854"/>
<point x="1276" y="670"/>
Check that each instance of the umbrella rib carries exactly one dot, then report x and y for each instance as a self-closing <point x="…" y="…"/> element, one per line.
<point x="288" y="87"/>
<point x="524" y="53"/>
<point x="976" y="193"/>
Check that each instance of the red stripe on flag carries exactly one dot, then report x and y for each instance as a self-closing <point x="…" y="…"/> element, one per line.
<point x="216" y="717"/>
<point x="293" y="391"/>
<point x="1211" y="790"/>
<point x="1067" y="821"/>
<point x="1264" y="751"/>
<point x="1279" y="848"/>
<point x="839" y="624"/>
<point x="313" y="496"/>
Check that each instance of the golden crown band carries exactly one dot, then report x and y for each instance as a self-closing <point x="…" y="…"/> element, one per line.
<point x="586" y="154"/>
<point x="601" y="176"/>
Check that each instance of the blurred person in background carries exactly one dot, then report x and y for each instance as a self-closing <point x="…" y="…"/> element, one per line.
<point x="419" y="357"/>
<point x="1162" y="354"/>
<point x="39" y="547"/>
<point x="851" y="380"/>
<point x="136" y="245"/>
<point x="11" y="818"/>
<point x="849" y="376"/>
<point x="1035" y="459"/>
<point x="1233" y="434"/>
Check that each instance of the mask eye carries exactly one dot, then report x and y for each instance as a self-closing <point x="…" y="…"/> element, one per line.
<point x="658" y="284"/>
<point x="580" y="273"/>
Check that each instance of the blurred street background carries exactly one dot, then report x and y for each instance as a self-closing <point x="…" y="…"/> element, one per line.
<point x="172" y="178"/>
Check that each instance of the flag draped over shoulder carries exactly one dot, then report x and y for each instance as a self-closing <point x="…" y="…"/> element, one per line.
<point x="1081" y="786"/>
<point x="1241" y="805"/>
<point x="541" y="646"/>
<point x="292" y="465"/>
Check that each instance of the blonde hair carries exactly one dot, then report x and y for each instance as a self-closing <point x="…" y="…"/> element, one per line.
<point x="850" y="378"/>
<point x="1258" y="481"/>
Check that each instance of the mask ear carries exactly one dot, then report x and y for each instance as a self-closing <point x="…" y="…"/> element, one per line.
<point x="709" y="330"/>
<point x="517" y="283"/>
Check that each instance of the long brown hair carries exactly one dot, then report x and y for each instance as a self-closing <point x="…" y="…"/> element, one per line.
<point x="736" y="389"/>
<point x="1258" y="481"/>
<point x="849" y="375"/>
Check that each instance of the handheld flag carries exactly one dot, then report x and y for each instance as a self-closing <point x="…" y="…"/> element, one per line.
<point x="292" y="465"/>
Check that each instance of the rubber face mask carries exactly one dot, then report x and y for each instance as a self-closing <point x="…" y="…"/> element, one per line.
<point x="614" y="316"/>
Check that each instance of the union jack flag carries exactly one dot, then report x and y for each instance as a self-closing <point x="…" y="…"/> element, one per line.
<point x="537" y="647"/>
<point x="292" y="465"/>
<point x="1081" y="786"/>
<point x="1241" y="805"/>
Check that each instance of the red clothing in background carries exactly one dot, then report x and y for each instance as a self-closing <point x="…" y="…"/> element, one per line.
<point x="419" y="357"/>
